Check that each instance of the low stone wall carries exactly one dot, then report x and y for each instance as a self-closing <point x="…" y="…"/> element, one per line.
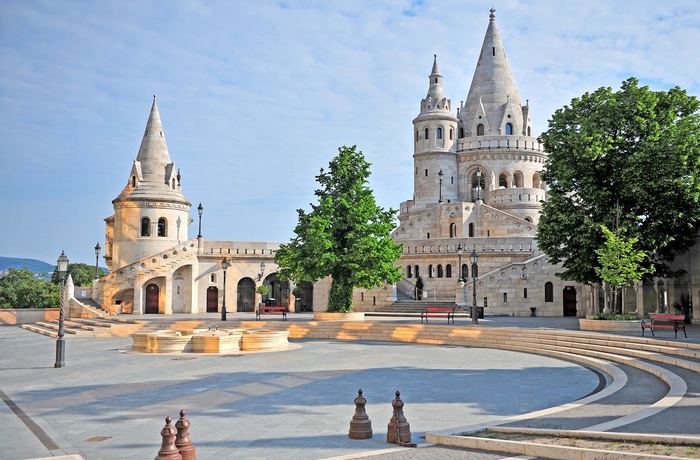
<point x="601" y="325"/>
<point x="28" y="315"/>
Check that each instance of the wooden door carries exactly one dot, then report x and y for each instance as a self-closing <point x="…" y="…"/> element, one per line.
<point x="569" y="301"/>
<point x="212" y="299"/>
<point x="152" y="297"/>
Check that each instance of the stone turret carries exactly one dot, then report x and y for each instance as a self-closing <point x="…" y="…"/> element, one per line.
<point x="151" y="213"/>
<point x="435" y="132"/>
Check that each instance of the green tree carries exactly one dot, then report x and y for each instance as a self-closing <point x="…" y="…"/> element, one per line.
<point x="620" y="263"/>
<point x="345" y="236"/>
<point x="20" y="289"/>
<point x="82" y="274"/>
<point x="631" y="159"/>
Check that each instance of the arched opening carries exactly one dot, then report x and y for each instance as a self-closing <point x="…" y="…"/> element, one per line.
<point x="475" y="271"/>
<point x="426" y="133"/>
<point x="453" y="230"/>
<point x="518" y="179"/>
<point x="461" y="133"/>
<point x="278" y="291"/>
<point x="245" y="295"/>
<point x="528" y="131"/>
<point x="471" y="230"/>
<point x="439" y="133"/>
<point x="536" y="181"/>
<point x="503" y="180"/>
<point x="212" y="299"/>
<point x="439" y="271"/>
<point x="133" y="181"/>
<point x="480" y="130"/>
<point x="451" y="133"/>
<point x="152" y="298"/>
<point x="509" y="129"/>
<point x="409" y="271"/>
<point x="417" y="271"/>
<point x="465" y="271"/>
<point x="448" y="271"/>
<point x="145" y="226"/>
<point x="162" y="227"/>
<point x="430" y="271"/>
<point x="306" y="301"/>
<point x="548" y="292"/>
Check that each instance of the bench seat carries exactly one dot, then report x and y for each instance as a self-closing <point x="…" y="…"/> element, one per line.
<point x="271" y="310"/>
<point x="674" y="322"/>
<point x="439" y="312"/>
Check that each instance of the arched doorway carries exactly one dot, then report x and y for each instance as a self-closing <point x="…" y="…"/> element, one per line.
<point x="307" y="296"/>
<point x="569" y="301"/>
<point x="152" y="296"/>
<point x="278" y="291"/>
<point x="212" y="299"/>
<point x="246" y="295"/>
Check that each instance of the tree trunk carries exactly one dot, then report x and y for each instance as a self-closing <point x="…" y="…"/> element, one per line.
<point x="340" y="297"/>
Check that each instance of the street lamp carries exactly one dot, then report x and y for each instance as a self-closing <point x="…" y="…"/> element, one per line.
<point x="440" y="176"/>
<point x="200" y="209"/>
<point x="474" y="258"/>
<point x="460" y="250"/>
<point x="478" y="183"/>
<point x="62" y="266"/>
<point x="97" y="258"/>
<point x="225" y="264"/>
<point x="262" y="270"/>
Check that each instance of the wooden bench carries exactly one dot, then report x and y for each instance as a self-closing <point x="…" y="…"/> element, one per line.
<point x="674" y="322"/>
<point x="271" y="310"/>
<point x="439" y="312"/>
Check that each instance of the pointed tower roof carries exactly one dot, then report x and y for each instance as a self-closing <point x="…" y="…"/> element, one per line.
<point x="435" y="100"/>
<point x="493" y="86"/>
<point x="153" y="175"/>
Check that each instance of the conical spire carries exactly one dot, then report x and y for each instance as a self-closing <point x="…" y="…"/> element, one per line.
<point x="435" y="99"/>
<point x="493" y="86"/>
<point x="153" y="153"/>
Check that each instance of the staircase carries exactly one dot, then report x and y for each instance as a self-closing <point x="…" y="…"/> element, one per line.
<point x="87" y="327"/>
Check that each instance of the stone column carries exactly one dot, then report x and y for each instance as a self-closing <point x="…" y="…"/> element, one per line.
<point x="639" y="291"/>
<point x="138" y="296"/>
<point x="461" y="300"/>
<point x="168" y="294"/>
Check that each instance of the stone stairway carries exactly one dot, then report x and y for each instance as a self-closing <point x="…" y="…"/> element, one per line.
<point x="87" y="327"/>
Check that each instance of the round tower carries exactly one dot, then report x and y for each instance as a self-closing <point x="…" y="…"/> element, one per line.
<point x="435" y="134"/>
<point x="151" y="213"/>
<point x="494" y="135"/>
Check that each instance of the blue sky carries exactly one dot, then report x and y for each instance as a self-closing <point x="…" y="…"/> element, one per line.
<point x="256" y="97"/>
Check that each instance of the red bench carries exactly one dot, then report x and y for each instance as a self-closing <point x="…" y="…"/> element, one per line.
<point x="674" y="322"/>
<point x="271" y="310"/>
<point x="439" y="312"/>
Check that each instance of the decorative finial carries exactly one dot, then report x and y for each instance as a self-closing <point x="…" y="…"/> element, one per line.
<point x="492" y="15"/>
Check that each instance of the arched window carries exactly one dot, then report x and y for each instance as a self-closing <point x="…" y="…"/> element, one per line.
<point x="212" y="278"/>
<point x="439" y="271"/>
<point x="448" y="271"/>
<point x="162" y="227"/>
<point x="145" y="226"/>
<point x="509" y="129"/>
<point x="471" y="230"/>
<point x="502" y="180"/>
<point x="408" y="272"/>
<point x="416" y="270"/>
<point x="461" y="133"/>
<point x="465" y="271"/>
<point x="133" y="181"/>
<point x="475" y="271"/>
<point x="439" y="133"/>
<point x="426" y="133"/>
<point x="480" y="130"/>
<point x="453" y="230"/>
<point x="548" y="292"/>
<point x="451" y="133"/>
<point x="430" y="271"/>
<point x="528" y="131"/>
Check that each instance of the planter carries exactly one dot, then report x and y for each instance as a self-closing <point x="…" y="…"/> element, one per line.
<point x="337" y="316"/>
<point x="603" y="325"/>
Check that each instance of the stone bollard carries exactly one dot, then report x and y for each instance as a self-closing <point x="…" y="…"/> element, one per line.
<point x="182" y="441"/>
<point x="398" y="431"/>
<point x="168" y="451"/>
<point x="360" y="425"/>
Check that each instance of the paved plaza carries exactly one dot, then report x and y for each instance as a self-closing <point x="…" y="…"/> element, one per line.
<point x="110" y="403"/>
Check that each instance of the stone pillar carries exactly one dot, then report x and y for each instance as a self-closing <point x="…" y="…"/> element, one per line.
<point x="138" y="297"/>
<point x="168" y="294"/>
<point x="658" y="296"/>
<point x="461" y="294"/>
<point x="394" y="294"/>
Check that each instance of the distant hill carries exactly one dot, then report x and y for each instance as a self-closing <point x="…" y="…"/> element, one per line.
<point x="33" y="265"/>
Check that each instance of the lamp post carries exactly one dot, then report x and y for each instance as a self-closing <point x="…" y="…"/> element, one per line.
<point x="474" y="258"/>
<point x="97" y="258"/>
<point x="224" y="264"/>
<point x="62" y="266"/>
<point x="478" y="183"/>
<point x="200" y="209"/>
<point x="460" y="250"/>
<point x="440" y="176"/>
<point x="262" y="270"/>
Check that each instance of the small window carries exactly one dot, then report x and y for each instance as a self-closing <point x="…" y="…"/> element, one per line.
<point x="145" y="226"/>
<point x="475" y="271"/>
<point x="428" y="235"/>
<point x="426" y="173"/>
<point x="524" y="293"/>
<point x="528" y="131"/>
<point x="439" y="271"/>
<point x="362" y="296"/>
<point x="480" y="130"/>
<point x="461" y="133"/>
<point x="448" y="271"/>
<point x="509" y="129"/>
<point x="178" y="289"/>
<point x="465" y="271"/>
<point x="439" y="133"/>
<point x="417" y="271"/>
<point x="453" y="230"/>
<point x="430" y="271"/>
<point x="505" y="297"/>
<point x="426" y="133"/>
<point x="471" y="230"/>
<point x="451" y="133"/>
<point x="548" y="292"/>
<point x="162" y="227"/>
<point x="212" y="278"/>
<point x="133" y="181"/>
<point x="409" y="272"/>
